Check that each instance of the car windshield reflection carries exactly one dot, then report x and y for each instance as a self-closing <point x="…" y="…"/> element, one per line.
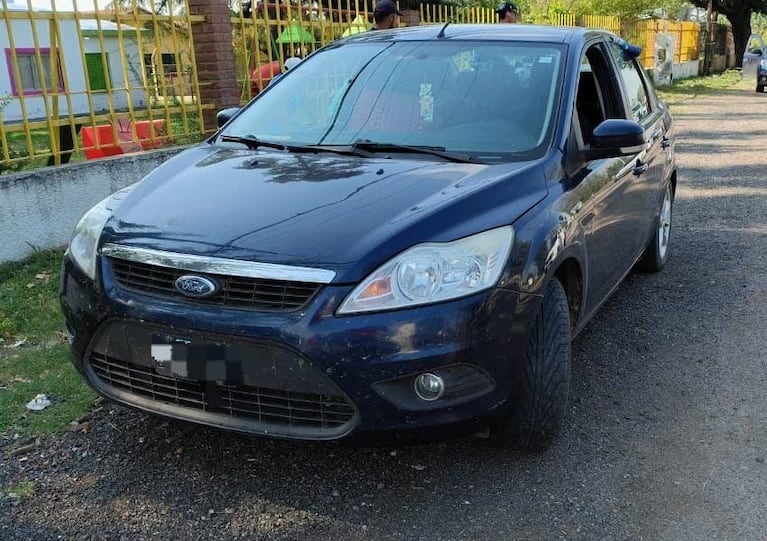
<point x="482" y="100"/>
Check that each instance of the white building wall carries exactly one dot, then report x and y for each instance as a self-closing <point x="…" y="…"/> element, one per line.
<point x="73" y="71"/>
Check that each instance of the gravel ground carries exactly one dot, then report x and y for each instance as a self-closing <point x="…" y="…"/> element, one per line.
<point x="665" y="437"/>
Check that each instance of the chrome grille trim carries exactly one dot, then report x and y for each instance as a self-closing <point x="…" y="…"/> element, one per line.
<point x="234" y="292"/>
<point x="215" y="265"/>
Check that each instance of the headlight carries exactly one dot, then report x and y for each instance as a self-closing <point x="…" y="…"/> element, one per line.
<point x="85" y="240"/>
<point x="434" y="272"/>
<point x="763" y="64"/>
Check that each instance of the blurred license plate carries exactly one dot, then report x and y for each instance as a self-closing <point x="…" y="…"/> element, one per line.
<point x="198" y="361"/>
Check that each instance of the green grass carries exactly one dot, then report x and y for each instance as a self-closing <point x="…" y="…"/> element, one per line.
<point x="685" y="89"/>
<point x="33" y="352"/>
<point x="22" y="490"/>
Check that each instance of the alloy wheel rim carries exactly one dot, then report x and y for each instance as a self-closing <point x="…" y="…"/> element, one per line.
<point x="664" y="226"/>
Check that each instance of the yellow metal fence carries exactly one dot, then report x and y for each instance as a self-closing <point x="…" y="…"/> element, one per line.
<point x="267" y="36"/>
<point x="686" y="37"/>
<point x="91" y="82"/>
<point x="88" y="83"/>
<point x="433" y="14"/>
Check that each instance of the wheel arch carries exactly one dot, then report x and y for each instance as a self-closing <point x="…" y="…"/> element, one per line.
<point x="570" y="275"/>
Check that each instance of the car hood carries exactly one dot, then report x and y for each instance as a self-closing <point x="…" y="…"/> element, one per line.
<point x="342" y="213"/>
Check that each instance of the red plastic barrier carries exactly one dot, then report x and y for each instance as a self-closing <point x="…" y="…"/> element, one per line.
<point x="145" y="136"/>
<point x="105" y="140"/>
<point x="125" y="144"/>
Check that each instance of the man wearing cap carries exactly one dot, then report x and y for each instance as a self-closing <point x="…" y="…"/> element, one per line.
<point x="385" y="15"/>
<point x="507" y="12"/>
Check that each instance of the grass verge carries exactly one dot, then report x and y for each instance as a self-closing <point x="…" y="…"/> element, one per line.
<point x="685" y="89"/>
<point x="33" y="351"/>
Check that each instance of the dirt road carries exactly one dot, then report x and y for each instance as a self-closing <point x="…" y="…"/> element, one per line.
<point x="666" y="437"/>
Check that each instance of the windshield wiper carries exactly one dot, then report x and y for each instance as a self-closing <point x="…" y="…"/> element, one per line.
<point x="251" y="141"/>
<point x="419" y="149"/>
<point x="346" y="150"/>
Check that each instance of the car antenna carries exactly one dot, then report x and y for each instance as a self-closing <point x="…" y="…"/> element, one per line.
<point x="442" y="30"/>
<point x="450" y="21"/>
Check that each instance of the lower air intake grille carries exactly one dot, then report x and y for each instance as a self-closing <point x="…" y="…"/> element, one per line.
<point x="271" y="406"/>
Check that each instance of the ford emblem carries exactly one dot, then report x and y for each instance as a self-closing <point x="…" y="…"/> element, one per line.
<point x="198" y="287"/>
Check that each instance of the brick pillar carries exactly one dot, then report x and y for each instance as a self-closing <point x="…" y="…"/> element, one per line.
<point x="410" y="17"/>
<point x="214" y="55"/>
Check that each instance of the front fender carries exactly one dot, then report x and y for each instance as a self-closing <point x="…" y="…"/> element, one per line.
<point x="545" y="241"/>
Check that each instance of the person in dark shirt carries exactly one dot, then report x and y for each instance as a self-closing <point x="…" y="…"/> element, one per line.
<point x="385" y="15"/>
<point x="507" y="12"/>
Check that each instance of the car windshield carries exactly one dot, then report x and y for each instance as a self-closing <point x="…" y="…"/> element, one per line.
<point x="492" y="101"/>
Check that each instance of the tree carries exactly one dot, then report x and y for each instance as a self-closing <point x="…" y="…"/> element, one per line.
<point x="738" y="12"/>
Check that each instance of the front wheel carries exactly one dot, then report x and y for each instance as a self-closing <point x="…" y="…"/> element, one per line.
<point x="760" y="88"/>
<point x="656" y="253"/>
<point x="539" y="403"/>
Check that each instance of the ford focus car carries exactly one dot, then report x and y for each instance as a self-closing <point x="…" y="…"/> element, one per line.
<point x="400" y="236"/>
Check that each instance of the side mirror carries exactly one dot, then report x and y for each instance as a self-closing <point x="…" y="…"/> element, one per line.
<point x="616" y="137"/>
<point x="223" y="116"/>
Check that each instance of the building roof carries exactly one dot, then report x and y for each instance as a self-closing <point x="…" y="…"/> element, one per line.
<point x="60" y="5"/>
<point x="88" y="26"/>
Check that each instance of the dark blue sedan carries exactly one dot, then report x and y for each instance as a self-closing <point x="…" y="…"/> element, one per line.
<point x="399" y="237"/>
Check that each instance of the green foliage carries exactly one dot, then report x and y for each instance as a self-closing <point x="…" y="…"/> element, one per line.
<point x="619" y="8"/>
<point x="759" y="24"/>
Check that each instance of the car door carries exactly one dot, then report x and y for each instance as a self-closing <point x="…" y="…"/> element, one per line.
<point x="649" y="165"/>
<point x="605" y="192"/>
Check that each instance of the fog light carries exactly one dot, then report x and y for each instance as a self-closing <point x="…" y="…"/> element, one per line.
<point x="429" y="387"/>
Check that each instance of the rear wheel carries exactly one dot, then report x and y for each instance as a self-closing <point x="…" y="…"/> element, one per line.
<point x="656" y="253"/>
<point x="539" y="403"/>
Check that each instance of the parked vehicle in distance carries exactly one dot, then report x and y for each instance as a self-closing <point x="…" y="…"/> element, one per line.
<point x="755" y="61"/>
<point x="402" y="237"/>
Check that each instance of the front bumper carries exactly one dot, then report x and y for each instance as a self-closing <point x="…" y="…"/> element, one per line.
<point x="308" y="374"/>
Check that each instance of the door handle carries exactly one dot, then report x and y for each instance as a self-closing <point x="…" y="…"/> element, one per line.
<point x="640" y="168"/>
<point x="665" y="142"/>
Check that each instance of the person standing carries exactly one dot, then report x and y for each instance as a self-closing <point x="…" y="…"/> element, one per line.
<point x="385" y="15"/>
<point x="507" y="12"/>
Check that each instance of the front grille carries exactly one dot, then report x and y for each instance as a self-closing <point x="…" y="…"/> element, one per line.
<point x="257" y="404"/>
<point x="235" y="291"/>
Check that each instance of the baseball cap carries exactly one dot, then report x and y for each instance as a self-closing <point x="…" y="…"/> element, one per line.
<point x="386" y="7"/>
<point x="506" y="6"/>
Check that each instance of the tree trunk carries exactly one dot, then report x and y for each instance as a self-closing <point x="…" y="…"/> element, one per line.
<point x="741" y="31"/>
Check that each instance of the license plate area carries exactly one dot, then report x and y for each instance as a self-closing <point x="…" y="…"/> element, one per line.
<point x="195" y="360"/>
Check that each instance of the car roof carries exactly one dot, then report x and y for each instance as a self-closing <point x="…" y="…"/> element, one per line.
<point x="481" y="32"/>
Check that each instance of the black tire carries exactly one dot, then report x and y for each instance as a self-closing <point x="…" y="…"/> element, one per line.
<point x="760" y="88"/>
<point x="538" y="405"/>
<point x="656" y="253"/>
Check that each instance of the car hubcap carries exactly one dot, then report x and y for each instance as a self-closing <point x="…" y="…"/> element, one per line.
<point x="664" y="227"/>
